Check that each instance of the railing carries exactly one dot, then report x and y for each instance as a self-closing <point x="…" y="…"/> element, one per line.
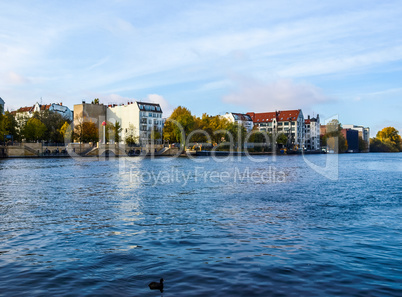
<point x="53" y="144"/>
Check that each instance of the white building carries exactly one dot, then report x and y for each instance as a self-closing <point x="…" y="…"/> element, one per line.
<point x="364" y="132"/>
<point x="27" y="112"/>
<point x="1" y="105"/>
<point x="139" y="119"/>
<point x="242" y="119"/>
<point x="288" y="122"/>
<point x="312" y="133"/>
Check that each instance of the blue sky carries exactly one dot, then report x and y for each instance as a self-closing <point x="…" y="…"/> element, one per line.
<point x="343" y="57"/>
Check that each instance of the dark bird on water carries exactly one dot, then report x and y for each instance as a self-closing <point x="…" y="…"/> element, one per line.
<point x="156" y="286"/>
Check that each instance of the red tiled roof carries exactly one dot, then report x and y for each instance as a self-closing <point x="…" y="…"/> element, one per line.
<point x="307" y="121"/>
<point x="287" y="115"/>
<point x="262" y="117"/>
<point x="45" y="107"/>
<point x="25" y="109"/>
<point x="281" y="116"/>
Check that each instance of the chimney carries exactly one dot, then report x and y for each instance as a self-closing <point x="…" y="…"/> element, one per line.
<point x="308" y="116"/>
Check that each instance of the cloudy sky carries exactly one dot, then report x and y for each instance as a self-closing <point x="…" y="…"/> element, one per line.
<point x="340" y="58"/>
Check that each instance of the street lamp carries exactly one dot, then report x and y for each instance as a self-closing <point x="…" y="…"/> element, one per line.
<point x="104" y="132"/>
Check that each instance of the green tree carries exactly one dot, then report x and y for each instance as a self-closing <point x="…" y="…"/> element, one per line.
<point x="3" y="129"/>
<point x="117" y="131"/>
<point x="282" y="139"/>
<point x="131" y="138"/>
<point x="53" y="122"/>
<point x="34" y="130"/>
<point x="181" y="118"/>
<point x="261" y="139"/>
<point x="95" y="101"/>
<point x="238" y="133"/>
<point x="362" y="145"/>
<point x="334" y="138"/>
<point x="113" y="132"/>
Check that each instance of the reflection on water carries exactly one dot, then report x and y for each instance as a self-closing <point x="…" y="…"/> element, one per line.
<point x="95" y="228"/>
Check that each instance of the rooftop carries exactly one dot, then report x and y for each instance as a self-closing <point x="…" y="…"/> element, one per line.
<point x="279" y="116"/>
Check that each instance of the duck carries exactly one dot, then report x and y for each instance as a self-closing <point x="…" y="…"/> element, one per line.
<point x="156" y="285"/>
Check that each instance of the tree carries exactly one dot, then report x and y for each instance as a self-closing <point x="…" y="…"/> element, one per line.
<point x="238" y="133"/>
<point x="3" y="129"/>
<point x="261" y="139"/>
<point x="34" y="130"/>
<point x="362" y="145"/>
<point x="131" y="138"/>
<point x="282" y="139"/>
<point x="8" y="125"/>
<point x="66" y="131"/>
<point x="113" y="132"/>
<point x="53" y="122"/>
<point x="86" y="131"/>
<point x="334" y="138"/>
<point x="180" y="122"/>
<point x="95" y="101"/>
<point x="20" y="123"/>
<point x="386" y="140"/>
<point x="117" y="130"/>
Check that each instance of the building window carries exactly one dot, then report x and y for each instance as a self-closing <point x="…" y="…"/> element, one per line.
<point x="279" y="123"/>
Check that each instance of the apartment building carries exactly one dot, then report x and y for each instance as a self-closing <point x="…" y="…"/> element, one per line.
<point x="312" y="133"/>
<point x="242" y="119"/>
<point x="28" y="111"/>
<point x="141" y="119"/>
<point x="288" y="122"/>
<point x="363" y="132"/>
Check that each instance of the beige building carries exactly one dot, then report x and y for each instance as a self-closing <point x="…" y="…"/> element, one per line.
<point x="138" y="119"/>
<point x="95" y="113"/>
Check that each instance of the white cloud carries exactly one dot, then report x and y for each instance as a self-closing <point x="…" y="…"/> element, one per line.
<point x="15" y="78"/>
<point x="275" y="95"/>
<point x="167" y="108"/>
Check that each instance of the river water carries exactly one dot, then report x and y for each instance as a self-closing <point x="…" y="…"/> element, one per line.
<point x="226" y="227"/>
